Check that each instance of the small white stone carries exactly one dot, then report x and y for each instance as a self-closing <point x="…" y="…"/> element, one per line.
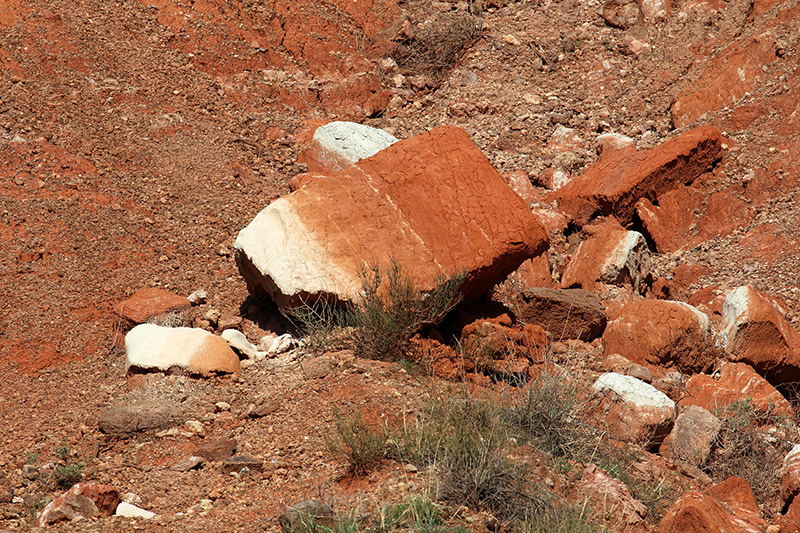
<point x="281" y="344"/>
<point x="131" y="511"/>
<point x="198" y="297"/>
<point x="195" y="426"/>
<point x="633" y="390"/>
<point x="239" y="342"/>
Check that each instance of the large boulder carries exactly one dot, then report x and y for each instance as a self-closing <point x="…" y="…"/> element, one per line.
<point x="196" y="351"/>
<point x="757" y="333"/>
<point x="614" y="186"/>
<point x="734" y="382"/>
<point x="85" y="499"/>
<point x="663" y="333"/>
<point x="338" y="145"/>
<point x="433" y="203"/>
<point x="565" y="313"/>
<point x="612" y="255"/>
<point x="633" y="410"/>
<point x="727" y="507"/>
<point x="690" y="440"/>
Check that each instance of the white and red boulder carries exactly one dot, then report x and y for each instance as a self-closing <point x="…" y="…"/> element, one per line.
<point x="612" y="255"/>
<point x="432" y="203"/>
<point x="338" y="145"/>
<point x="85" y="499"/>
<point x="757" y="333"/>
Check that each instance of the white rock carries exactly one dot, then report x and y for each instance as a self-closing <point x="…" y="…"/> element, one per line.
<point x="266" y="342"/>
<point x="131" y="511"/>
<point x="195" y="426"/>
<point x="148" y="346"/>
<point x="238" y="341"/>
<point x="198" y="297"/>
<point x="353" y="141"/>
<point x="632" y="390"/>
<point x="281" y="344"/>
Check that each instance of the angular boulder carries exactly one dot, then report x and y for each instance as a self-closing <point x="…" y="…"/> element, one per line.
<point x="663" y="333"/>
<point x="611" y="256"/>
<point x="697" y="512"/>
<point x="196" y="351"/>
<point x="433" y="203"/>
<point x="610" y="496"/>
<point x="633" y="410"/>
<point x="735" y="382"/>
<point x="338" y="145"/>
<point x="614" y="186"/>
<point x="737" y="497"/>
<point x="565" y="313"/>
<point x="149" y="302"/>
<point x="85" y="499"/>
<point x="690" y="440"/>
<point x="757" y="333"/>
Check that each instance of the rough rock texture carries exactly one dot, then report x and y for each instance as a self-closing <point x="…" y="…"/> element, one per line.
<point x="690" y="440"/>
<point x="728" y="76"/>
<point x="292" y="518"/>
<point x="237" y="340"/>
<point x="565" y="313"/>
<point x="633" y="410"/>
<point x="609" y="497"/>
<point x="337" y="145"/>
<point x="735" y="382"/>
<point x="697" y="512"/>
<point x="612" y="256"/>
<point x="84" y="499"/>
<point x="757" y="333"/>
<point x="661" y="332"/>
<point x="737" y="496"/>
<point x="614" y="146"/>
<point x="790" y="476"/>
<point x="432" y="202"/>
<point x="217" y="450"/>
<point x="134" y="418"/>
<point x="148" y="302"/>
<point x="520" y="183"/>
<point x="614" y="186"/>
<point x="152" y="347"/>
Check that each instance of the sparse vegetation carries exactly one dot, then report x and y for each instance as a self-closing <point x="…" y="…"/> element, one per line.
<point x="741" y="449"/>
<point x="66" y="472"/>
<point x="390" y="310"/>
<point x="361" y="446"/>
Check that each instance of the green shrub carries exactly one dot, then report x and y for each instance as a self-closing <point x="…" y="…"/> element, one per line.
<point x="359" y="445"/>
<point x="389" y="311"/>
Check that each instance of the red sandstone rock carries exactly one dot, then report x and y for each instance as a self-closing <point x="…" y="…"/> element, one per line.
<point x="521" y="184"/>
<point x="791" y="520"/>
<point x="607" y="496"/>
<point x="663" y="333"/>
<point x="669" y="222"/>
<point x="83" y="499"/>
<point x="698" y="513"/>
<point x="757" y="333"/>
<point x="736" y="382"/>
<point x="614" y="146"/>
<point x="737" y="497"/>
<point x="432" y="202"/>
<point x="612" y="255"/>
<point x="148" y="302"/>
<point x="614" y="186"/>
<point x="725" y="78"/>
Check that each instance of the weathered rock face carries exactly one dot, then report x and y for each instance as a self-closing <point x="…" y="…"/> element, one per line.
<point x="726" y="78"/>
<point x="614" y="146"/>
<point x="565" y="313"/>
<point x="634" y="411"/>
<point x="611" y="256"/>
<point x="84" y="500"/>
<point x="432" y="202"/>
<point x="152" y="347"/>
<point x="610" y="496"/>
<point x="147" y="303"/>
<point x="690" y="440"/>
<point x="757" y="333"/>
<point x="614" y="186"/>
<point x="134" y="418"/>
<point x="661" y="332"/>
<point x="338" y="145"/>
<point x="724" y="507"/>
<point x="736" y="382"/>
<point x="790" y="476"/>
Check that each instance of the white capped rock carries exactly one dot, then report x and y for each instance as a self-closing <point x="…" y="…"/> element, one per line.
<point x="152" y="347"/>
<point x="632" y="390"/>
<point x="281" y="344"/>
<point x="337" y="145"/>
<point x="239" y="342"/>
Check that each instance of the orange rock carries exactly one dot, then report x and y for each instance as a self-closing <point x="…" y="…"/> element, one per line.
<point x="790" y="476"/>
<point x="737" y="496"/>
<point x="736" y="382"/>
<point x="148" y="302"/>
<point x="726" y="78"/>
<point x="698" y="513"/>
<point x="663" y="333"/>
<point x="433" y="203"/>
<point x="614" y="186"/>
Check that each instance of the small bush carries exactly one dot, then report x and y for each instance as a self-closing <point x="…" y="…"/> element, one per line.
<point x="417" y="513"/>
<point x="360" y="446"/>
<point x="741" y="449"/>
<point x="389" y="311"/>
<point x="66" y="472"/>
<point x="436" y="49"/>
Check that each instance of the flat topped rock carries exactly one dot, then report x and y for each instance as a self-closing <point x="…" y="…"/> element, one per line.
<point x="148" y="302"/>
<point x="152" y="347"/>
<point x="432" y="202"/>
<point x="337" y="145"/>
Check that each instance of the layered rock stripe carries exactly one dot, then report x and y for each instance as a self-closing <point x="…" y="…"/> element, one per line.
<point x="432" y="202"/>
